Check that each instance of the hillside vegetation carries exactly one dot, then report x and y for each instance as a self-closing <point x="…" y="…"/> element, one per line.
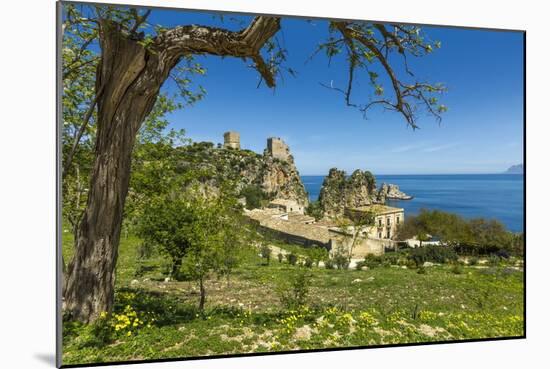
<point x="249" y="312"/>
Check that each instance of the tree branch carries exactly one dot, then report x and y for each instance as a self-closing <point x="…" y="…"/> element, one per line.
<point x="400" y="105"/>
<point x="247" y="43"/>
<point x="81" y="131"/>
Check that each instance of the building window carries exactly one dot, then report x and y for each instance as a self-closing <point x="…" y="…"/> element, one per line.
<point x="380" y="223"/>
<point x="389" y="234"/>
<point x="397" y="220"/>
<point x="388" y="221"/>
<point x="379" y="234"/>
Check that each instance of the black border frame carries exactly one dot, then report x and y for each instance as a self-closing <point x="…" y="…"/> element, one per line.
<point x="59" y="276"/>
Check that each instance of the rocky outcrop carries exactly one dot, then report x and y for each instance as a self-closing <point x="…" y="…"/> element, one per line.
<point x="339" y="191"/>
<point x="392" y="192"/>
<point x="281" y="180"/>
<point x="241" y="168"/>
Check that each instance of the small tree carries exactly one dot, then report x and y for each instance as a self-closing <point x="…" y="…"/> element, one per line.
<point x="315" y="210"/>
<point x="207" y="234"/>
<point x="351" y="231"/>
<point x="265" y="251"/>
<point x="217" y="231"/>
<point x="293" y="293"/>
<point x="317" y="254"/>
<point x="163" y="224"/>
<point x="292" y="258"/>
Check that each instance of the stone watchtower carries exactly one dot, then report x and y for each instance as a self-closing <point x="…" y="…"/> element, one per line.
<point x="232" y="139"/>
<point x="277" y="148"/>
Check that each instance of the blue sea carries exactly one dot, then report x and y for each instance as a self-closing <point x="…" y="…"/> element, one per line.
<point x="491" y="196"/>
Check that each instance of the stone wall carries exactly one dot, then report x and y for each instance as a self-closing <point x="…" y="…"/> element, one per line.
<point x="363" y="245"/>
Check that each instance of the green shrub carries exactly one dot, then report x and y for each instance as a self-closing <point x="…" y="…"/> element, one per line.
<point x="329" y="263"/>
<point x="145" y="250"/>
<point x="473" y="260"/>
<point x="292" y="258"/>
<point x="422" y="270"/>
<point x="457" y="269"/>
<point x="102" y="332"/>
<point x="411" y="264"/>
<point x="433" y="253"/>
<point x="493" y="260"/>
<point x="341" y="261"/>
<point x="392" y="258"/>
<point x="280" y="257"/>
<point x="293" y="294"/>
<point x="373" y="261"/>
<point x="308" y="263"/>
<point x="315" y="210"/>
<point x="265" y="251"/>
<point x="317" y="254"/>
<point x="254" y="196"/>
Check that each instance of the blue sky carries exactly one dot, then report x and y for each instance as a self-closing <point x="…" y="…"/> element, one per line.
<point x="481" y="133"/>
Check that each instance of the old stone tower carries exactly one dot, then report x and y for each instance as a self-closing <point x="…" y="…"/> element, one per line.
<point x="277" y="148"/>
<point x="232" y="139"/>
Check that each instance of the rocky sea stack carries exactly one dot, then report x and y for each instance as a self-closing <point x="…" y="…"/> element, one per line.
<point x="339" y="191"/>
<point x="392" y="192"/>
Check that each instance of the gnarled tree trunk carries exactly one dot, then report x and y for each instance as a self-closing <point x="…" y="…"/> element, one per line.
<point x="129" y="77"/>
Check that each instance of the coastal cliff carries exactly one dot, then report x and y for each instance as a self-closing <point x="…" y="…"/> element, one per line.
<point x="274" y="177"/>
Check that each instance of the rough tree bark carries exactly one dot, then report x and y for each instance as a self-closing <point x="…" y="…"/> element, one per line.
<point x="130" y="76"/>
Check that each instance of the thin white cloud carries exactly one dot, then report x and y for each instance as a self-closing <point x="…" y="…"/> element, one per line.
<point x="406" y="148"/>
<point x="439" y="148"/>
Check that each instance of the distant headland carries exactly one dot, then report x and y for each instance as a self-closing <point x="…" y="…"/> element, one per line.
<point x="515" y="169"/>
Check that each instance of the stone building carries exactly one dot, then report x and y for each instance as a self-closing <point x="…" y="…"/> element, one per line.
<point x="386" y="220"/>
<point x="363" y="245"/>
<point x="287" y="206"/>
<point x="232" y="139"/>
<point x="277" y="148"/>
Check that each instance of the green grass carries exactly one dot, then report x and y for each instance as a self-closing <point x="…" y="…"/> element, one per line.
<point x="345" y="308"/>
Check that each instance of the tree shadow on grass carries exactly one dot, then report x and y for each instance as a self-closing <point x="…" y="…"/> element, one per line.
<point x="167" y="309"/>
<point x="172" y="310"/>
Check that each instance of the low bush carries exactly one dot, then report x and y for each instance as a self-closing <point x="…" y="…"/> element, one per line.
<point x="359" y="265"/>
<point x="457" y="269"/>
<point x="493" y="260"/>
<point x="433" y="253"/>
<point x="341" y="258"/>
<point x="265" y="251"/>
<point x="341" y="262"/>
<point x="392" y="258"/>
<point x="293" y="294"/>
<point x="373" y="261"/>
<point x="329" y="263"/>
<point x="292" y="258"/>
